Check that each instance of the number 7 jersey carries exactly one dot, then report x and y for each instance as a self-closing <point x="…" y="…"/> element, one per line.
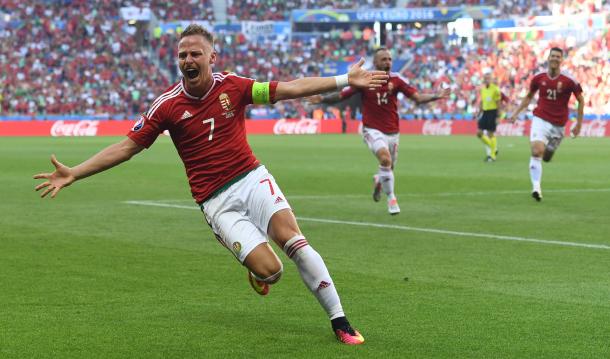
<point x="380" y="105"/>
<point x="208" y="132"/>
<point x="554" y="96"/>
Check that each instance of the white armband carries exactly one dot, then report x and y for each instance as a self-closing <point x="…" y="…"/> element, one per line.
<point x="341" y="81"/>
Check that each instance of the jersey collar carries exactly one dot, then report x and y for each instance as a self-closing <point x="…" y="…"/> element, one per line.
<point x="194" y="97"/>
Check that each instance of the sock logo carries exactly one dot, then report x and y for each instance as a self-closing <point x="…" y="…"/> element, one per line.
<point x="323" y="284"/>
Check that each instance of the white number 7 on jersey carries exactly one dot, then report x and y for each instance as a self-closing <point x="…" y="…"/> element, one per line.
<point x="211" y="122"/>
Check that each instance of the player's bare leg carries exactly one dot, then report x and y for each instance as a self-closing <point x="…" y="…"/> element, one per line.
<point x="264" y="268"/>
<point x="537" y="148"/>
<point x="284" y="230"/>
<point x="386" y="179"/>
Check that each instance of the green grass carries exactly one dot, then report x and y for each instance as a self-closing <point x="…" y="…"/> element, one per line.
<point x="86" y="275"/>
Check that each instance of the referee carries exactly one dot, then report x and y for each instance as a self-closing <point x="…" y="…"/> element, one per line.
<point x="490" y="103"/>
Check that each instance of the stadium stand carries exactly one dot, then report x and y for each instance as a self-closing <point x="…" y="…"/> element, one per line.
<point x="280" y="10"/>
<point x="63" y="57"/>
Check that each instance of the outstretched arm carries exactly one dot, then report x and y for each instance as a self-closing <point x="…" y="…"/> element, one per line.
<point x="425" y="98"/>
<point x="64" y="176"/>
<point x="308" y="86"/>
<point x="526" y="101"/>
<point x="329" y="98"/>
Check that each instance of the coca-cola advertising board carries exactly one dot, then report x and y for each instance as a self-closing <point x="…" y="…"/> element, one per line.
<point x="595" y="128"/>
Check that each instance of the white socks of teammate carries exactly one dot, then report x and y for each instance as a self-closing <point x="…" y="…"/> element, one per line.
<point x="386" y="178"/>
<point x="536" y="172"/>
<point x="315" y="275"/>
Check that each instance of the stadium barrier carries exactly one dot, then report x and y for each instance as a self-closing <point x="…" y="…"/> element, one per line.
<point x="60" y="128"/>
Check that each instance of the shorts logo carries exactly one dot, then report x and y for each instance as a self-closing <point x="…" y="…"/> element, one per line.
<point x="279" y="200"/>
<point x="236" y="247"/>
<point x="323" y="285"/>
<point x="138" y="126"/>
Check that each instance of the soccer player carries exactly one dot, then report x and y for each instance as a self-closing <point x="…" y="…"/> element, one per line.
<point x="240" y="200"/>
<point x="380" y="121"/>
<point x="490" y="106"/>
<point x="554" y="88"/>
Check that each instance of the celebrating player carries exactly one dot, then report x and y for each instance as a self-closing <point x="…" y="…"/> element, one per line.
<point x="550" y="115"/>
<point x="204" y="114"/>
<point x="490" y="107"/>
<point x="380" y="121"/>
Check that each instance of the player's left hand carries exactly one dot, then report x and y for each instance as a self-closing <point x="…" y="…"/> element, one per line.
<point x="576" y="129"/>
<point x="359" y="77"/>
<point x="444" y="93"/>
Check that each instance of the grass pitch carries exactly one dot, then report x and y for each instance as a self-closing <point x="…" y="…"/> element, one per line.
<point x="471" y="268"/>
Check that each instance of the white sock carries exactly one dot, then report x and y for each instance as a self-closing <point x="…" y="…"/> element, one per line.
<point x="386" y="177"/>
<point x="315" y="275"/>
<point x="536" y="172"/>
<point x="488" y="150"/>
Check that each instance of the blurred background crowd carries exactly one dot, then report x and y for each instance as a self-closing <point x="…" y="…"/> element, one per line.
<point x="77" y="57"/>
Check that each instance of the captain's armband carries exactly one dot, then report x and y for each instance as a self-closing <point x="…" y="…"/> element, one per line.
<point x="260" y="93"/>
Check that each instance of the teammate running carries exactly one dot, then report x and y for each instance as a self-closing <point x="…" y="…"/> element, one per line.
<point x="380" y="121"/>
<point x="550" y="115"/>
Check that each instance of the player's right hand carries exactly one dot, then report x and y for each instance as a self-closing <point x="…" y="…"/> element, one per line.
<point x="62" y="177"/>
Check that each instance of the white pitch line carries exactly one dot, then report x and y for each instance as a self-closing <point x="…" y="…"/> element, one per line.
<point x="431" y="194"/>
<point x="406" y="228"/>
<point x="447" y="194"/>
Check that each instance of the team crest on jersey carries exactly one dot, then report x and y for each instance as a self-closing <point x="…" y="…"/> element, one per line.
<point x="225" y="102"/>
<point x="390" y="87"/>
<point x="559" y="86"/>
<point x="543" y="83"/>
<point x="138" y="126"/>
<point x="236" y="247"/>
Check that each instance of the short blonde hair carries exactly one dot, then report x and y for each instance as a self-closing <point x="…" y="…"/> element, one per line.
<point x="194" y="29"/>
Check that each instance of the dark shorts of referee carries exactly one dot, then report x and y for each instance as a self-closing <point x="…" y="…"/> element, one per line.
<point x="488" y="120"/>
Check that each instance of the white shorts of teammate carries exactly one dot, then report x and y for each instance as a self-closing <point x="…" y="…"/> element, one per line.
<point x="240" y="215"/>
<point x="544" y="131"/>
<point x="377" y="140"/>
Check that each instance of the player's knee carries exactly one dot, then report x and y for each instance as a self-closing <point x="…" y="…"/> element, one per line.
<point x="271" y="274"/>
<point x="537" y="152"/>
<point x="385" y="161"/>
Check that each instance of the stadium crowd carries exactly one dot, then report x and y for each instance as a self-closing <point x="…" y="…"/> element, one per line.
<point x="70" y="57"/>
<point x="280" y="10"/>
<point x="73" y="60"/>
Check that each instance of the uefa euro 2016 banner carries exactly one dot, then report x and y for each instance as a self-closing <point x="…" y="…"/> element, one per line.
<point x="61" y="128"/>
<point x="392" y="14"/>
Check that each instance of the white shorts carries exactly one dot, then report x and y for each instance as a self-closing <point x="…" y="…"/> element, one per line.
<point x="239" y="216"/>
<point x="377" y="140"/>
<point x="546" y="132"/>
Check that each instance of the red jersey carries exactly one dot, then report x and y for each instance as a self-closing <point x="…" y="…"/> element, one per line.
<point x="208" y="132"/>
<point x="379" y="105"/>
<point x="554" y="96"/>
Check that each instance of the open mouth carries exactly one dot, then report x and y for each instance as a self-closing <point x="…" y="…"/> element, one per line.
<point x="192" y="73"/>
